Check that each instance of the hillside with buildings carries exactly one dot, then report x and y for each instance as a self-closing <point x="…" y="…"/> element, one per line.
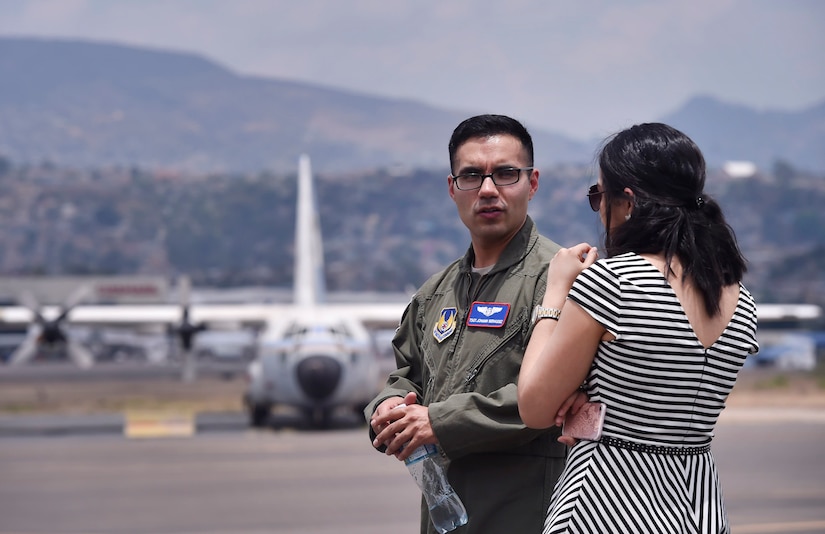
<point x="383" y="231"/>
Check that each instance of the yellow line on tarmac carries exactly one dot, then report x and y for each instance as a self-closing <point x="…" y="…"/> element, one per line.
<point x="159" y="423"/>
<point x="774" y="528"/>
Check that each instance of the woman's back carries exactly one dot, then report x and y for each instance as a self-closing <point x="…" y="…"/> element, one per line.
<point x="652" y="470"/>
<point x="661" y="382"/>
<point x="707" y="327"/>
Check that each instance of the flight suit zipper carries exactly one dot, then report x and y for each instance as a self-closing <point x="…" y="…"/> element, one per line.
<point x="473" y="372"/>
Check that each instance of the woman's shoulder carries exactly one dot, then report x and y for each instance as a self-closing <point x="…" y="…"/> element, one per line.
<point x="629" y="268"/>
<point x="746" y="300"/>
<point x="607" y="272"/>
<point x="623" y="262"/>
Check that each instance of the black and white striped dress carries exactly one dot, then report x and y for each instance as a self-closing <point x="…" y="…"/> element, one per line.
<point x="653" y="470"/>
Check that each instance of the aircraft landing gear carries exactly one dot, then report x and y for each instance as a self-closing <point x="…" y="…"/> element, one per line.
<point x="319" y="417"/>
<point x="258" y="415"/>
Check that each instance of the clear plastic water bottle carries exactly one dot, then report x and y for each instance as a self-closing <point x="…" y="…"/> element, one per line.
<point x="429" y="470"/>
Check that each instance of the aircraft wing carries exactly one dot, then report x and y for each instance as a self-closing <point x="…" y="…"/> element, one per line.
<point x="373" y="315"/>
<point x="385" y="315"/>
<point x="786" y="312"/>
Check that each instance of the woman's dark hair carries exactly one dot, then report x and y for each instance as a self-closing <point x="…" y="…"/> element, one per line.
<point x="671" y="213"/>
<point x="485" y="126"/>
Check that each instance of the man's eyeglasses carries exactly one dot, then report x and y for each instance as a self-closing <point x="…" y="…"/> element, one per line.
<point x="473" y="180"/>
<point x="594" y="196"/>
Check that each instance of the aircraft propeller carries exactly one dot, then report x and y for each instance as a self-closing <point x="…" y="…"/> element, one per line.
<point x="49" y="332"/>
<point x="186" y="331"/>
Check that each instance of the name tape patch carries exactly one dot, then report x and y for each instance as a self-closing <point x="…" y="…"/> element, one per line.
<point x="488" y="314"/>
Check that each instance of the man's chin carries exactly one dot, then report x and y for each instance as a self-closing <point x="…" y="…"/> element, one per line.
<point x="493" y="232"/>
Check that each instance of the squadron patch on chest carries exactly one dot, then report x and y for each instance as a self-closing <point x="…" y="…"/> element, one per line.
<point x="488" y="314"/>
<point x="445" y="326"/>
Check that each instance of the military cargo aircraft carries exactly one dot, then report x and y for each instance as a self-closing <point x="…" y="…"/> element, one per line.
<point x="313" y="355"/>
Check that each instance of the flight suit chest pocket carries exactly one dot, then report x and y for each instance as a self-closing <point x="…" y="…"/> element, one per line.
<point x="496" y="366"/>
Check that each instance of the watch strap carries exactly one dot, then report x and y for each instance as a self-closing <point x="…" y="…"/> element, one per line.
<point x="540" y="312"/>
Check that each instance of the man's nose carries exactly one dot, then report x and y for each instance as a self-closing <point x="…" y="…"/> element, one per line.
<point x="488" y="186"/>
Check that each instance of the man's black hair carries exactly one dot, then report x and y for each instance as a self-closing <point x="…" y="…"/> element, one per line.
<point x="486" y="126"/>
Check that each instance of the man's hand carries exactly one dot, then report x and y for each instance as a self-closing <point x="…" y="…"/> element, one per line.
<point x="402" y="426"/>
<point x="380" y="415"/>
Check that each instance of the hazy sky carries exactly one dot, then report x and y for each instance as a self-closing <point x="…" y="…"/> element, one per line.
<point x="583" y="68"/>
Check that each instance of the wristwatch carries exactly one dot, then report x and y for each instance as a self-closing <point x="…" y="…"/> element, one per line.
<point x="540" y="312"/>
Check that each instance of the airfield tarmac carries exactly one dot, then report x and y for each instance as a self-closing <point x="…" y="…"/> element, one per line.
<point x="225" y="478"/>
<point x="61" y="388"/>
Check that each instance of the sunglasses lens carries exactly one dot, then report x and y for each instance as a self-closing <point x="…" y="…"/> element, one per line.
<point x="595" y="197"/>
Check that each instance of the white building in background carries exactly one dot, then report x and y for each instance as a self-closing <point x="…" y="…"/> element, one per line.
<point x="739" y="169"/>
<point x="102" y="289"/>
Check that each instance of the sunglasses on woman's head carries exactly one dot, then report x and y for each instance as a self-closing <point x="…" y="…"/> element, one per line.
<point x="594" y="196"/>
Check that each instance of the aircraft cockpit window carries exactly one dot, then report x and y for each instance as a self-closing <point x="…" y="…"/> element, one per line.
<point x="296" y="331"/>
<point x="339" y="329"/>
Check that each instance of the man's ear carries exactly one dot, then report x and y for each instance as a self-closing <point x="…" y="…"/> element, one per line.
<point x="534" y="183"/>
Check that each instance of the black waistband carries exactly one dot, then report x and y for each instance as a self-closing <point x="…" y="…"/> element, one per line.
<point x="654" y="449"/>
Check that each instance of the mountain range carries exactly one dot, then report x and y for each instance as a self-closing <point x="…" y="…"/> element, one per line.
<point x="91" y="104"/>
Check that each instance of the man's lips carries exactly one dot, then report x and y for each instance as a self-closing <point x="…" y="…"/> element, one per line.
<point x="489" y="211"/>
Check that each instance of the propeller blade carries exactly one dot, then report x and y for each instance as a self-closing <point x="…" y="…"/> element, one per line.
<point x="189" y="367"/>
<point x="79" y="354"/>
<point x="29" y="301"/>
<point x="184" y="290"/>
<point x="76" y="297"/>
<point x="171" y="342"/>
<point x="28" y="348"/>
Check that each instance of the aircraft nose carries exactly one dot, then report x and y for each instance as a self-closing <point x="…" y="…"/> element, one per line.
<point x="319" y="376"/>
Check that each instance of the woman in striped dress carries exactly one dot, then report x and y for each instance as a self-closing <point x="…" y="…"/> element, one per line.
<point x="657" y="331"/>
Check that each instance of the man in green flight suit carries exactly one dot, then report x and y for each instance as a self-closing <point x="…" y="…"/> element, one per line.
<point x="461" y="340"/>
